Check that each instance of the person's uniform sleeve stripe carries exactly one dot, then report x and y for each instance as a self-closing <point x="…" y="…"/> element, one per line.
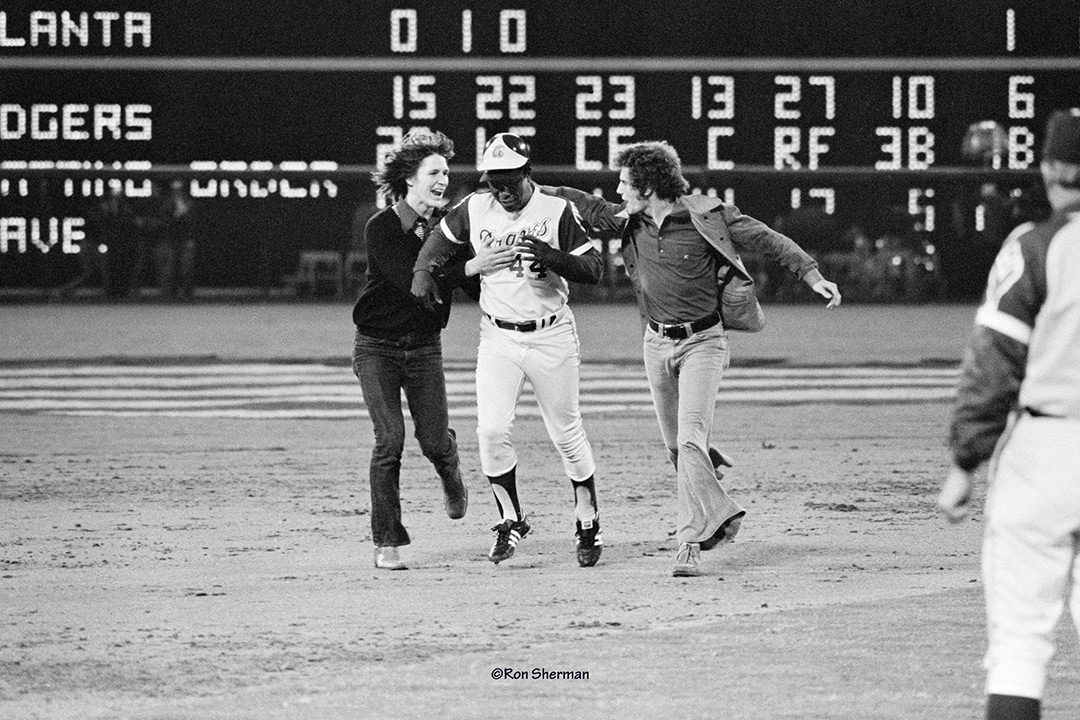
<point x="1005" y="324"/>
<point x="585" y="246"/>
<point x="449" y="233"/>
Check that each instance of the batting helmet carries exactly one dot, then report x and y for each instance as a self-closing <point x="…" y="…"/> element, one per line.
<point x="505" y="151"/>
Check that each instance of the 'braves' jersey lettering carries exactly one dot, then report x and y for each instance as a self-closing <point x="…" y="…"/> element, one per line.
<point x="539" y="230"/>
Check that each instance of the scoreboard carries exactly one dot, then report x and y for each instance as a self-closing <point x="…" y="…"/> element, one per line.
<point x="282" y="108"/>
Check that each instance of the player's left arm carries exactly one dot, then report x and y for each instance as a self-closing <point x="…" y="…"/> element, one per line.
<point x="576" y="260"/>
<point x="996" y="358"/>
<point x="436" y="251"/>
<point x="993" y="368"/>
<point x="989" y="385"/>
<point x="456" y="272"/>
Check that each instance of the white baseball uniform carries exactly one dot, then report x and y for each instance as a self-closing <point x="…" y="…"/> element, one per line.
<point x="1019" y="398"/>
<point x="527" y="330"/>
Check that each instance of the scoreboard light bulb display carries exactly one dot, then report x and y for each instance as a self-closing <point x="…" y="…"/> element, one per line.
<point x="286" y="113"/>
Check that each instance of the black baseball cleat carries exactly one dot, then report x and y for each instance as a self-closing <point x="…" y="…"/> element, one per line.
<point x="507" y="535"/>
<point x="589" y="542"/>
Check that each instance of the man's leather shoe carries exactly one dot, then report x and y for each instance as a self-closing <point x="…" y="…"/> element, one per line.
<point x="387" y="558"/>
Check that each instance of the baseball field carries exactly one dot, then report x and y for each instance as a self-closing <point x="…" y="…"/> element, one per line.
<point x="162" y="557"/>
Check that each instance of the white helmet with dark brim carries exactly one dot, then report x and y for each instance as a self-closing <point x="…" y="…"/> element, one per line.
<point x="504" y="151"/>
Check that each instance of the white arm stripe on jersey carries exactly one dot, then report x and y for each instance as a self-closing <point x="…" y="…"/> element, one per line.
<point x="991" y="317"/>
<point x="449" y="235"/>
<point x="584" y="247"/>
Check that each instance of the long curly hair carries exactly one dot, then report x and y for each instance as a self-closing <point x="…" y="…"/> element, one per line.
<point x="654" y="166"/>
<point x="403" y="161"/>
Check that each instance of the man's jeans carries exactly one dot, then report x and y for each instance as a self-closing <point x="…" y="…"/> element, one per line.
<point x="684" y="378"/>
<point x="385" y="368"/>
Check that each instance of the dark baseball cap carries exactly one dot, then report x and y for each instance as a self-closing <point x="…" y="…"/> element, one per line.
<point x="1062" y="142"/>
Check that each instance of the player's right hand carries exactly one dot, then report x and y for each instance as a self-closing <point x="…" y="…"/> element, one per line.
<point x="491" y="259"/>
<point x="954" y="500"/>
<point x="425" y="289"/>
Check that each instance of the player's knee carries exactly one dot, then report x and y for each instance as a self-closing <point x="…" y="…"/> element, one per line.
<point x="490" y="436"/>
<point x="575" y="450"/>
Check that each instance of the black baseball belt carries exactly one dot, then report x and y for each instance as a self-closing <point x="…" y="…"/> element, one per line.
<point x="527" y="326"/>
<point x="681" y="331"/>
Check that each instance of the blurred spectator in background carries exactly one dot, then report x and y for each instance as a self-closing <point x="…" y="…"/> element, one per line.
<point x="902" y="268"/>
<point x="981" y="216"/>
<point x="174" y="251"/>
<point x="114" y="227"/>
<point x="92" y="258"/>
<point x="151" y="220"/>
<point x="984" y="144"/>
<point x="981" y="220"/>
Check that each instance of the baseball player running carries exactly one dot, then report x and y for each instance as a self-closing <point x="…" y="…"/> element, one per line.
<point x="528" y="244"/>
<point x="1019" y="404"/>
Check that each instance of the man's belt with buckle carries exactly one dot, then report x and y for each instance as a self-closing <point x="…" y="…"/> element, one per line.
<point x="681" y="331"/>
<point x="527" y="326"/>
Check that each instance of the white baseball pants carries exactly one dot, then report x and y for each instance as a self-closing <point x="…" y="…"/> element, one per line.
<point x="1030" y="550"/>
<point x="549" y="358"/>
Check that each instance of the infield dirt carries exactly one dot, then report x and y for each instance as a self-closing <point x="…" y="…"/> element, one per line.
<point x="183" y="568"/>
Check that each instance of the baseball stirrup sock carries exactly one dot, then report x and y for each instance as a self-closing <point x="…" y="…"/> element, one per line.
<point x="584" y="499"/>
<point x="504" y="487"/>
<point x="1012" y="707"/>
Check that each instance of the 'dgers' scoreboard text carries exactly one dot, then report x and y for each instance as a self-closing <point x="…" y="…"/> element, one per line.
<point x="293" y="101"/>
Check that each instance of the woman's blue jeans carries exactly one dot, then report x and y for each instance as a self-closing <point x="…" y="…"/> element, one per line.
<point x="412" y="363"/>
